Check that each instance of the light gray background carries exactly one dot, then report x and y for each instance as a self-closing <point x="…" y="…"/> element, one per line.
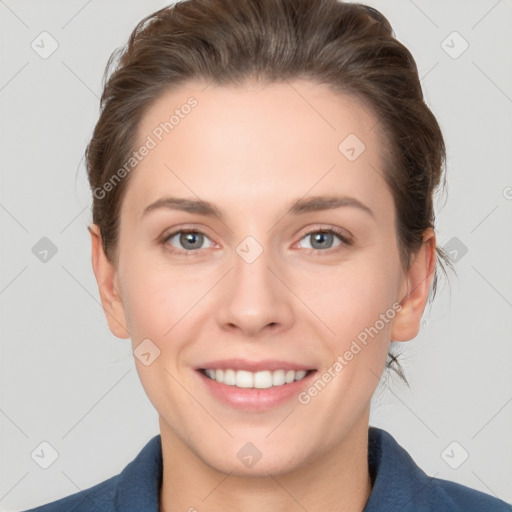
<point x="66" y="380"/>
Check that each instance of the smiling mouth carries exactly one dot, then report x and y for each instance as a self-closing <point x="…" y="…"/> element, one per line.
<point x="258" y="380"/>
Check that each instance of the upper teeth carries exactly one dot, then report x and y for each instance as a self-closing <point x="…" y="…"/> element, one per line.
<point x="260" y="380"/>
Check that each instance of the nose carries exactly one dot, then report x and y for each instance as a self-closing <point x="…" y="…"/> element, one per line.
<point x="255" y="299"/>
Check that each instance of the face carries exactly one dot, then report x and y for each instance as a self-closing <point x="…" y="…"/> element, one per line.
<point x="257" y="246"/>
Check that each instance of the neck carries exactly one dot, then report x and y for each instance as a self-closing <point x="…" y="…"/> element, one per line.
<point x="336" y="481"/>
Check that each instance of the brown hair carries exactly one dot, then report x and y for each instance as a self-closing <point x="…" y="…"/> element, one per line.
<point x="349" y="47"/>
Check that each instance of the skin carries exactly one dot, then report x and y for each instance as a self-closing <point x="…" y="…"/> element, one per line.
<point x="253" y="151"/>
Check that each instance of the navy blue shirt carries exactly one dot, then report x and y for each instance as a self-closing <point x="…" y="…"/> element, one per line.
<point x="398" y="485"/>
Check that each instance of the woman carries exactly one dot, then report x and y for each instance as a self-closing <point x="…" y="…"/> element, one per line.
<point x="263" y="228"/>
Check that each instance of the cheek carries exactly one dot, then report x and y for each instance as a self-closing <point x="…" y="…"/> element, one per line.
<point x="359" y="304"/>
<point x="157" y="297"/>
<point x="159" y="305"/>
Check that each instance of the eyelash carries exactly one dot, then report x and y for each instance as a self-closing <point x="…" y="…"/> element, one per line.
<point x="345" y="241"/>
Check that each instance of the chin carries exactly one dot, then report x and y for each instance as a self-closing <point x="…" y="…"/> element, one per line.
<point x="248" y="460"/>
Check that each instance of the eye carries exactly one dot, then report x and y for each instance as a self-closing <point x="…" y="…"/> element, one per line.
<point x="187" y="240"/>
<point x="324" y="239"/>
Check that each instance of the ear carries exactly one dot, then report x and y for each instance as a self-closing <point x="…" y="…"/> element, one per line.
<point x="106" y="277"/>
<point x="418" y="280"/>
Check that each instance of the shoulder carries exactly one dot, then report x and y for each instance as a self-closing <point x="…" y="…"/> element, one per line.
<point x="99" y="497"/>
<point x="399" y="484"/>
<point x="135" y="488"/>
<point x="460" y="497"/>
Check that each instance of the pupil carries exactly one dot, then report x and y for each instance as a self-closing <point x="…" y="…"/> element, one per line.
<point x="189" y="238"/>
<point x="322" y="237"/>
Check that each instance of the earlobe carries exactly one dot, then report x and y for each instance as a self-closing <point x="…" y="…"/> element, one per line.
<point x="419" y="276"/>
<point x="106" y="278"/>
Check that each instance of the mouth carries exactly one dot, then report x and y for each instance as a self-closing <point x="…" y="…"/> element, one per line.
<point x="258" y="380"/>
<point x="254" y="386"/>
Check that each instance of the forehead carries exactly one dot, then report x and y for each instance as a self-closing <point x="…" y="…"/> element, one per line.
<point x="228" y="143"/>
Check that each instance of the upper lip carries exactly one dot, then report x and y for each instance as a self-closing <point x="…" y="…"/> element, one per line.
<point x="253" y="366"/>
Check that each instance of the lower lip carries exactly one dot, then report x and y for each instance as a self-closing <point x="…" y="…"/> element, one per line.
<point x="252" y="399"/>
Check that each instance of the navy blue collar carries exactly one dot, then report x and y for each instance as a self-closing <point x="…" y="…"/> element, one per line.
<point x="398" y="483"/>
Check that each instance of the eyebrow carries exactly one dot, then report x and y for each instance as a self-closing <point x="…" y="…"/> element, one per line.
<point x="300" y="206"/>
